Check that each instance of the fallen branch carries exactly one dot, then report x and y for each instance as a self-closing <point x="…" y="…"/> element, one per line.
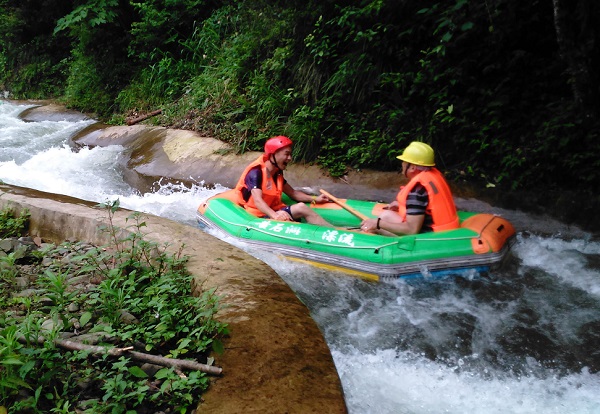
<point x="176" y="364"/>
<point x="133" y="121"/>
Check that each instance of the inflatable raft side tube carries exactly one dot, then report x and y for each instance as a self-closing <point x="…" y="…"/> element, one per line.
<point x="493" y="231"/>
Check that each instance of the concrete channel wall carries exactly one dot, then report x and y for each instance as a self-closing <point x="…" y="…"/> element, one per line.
<point x="275" y="360"/>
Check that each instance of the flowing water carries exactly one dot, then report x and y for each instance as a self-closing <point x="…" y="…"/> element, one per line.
<point x="520" y="340"/>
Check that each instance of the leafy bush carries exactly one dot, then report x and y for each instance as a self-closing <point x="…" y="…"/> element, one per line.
<point x="11" y="224"/>
<point x="352" y="83"/>
<point x="143" y="300"/>
<point x="85" y="87"/>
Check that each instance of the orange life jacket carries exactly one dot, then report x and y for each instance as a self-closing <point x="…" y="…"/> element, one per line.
<point x="441" y="204"/>
<point x="271" y="190"/>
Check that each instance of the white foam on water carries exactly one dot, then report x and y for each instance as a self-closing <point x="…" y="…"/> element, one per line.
<point x="407" y="383"/>
<point x="566" y="260"/>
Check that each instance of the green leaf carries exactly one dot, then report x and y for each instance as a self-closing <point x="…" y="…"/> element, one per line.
<point x="183" y="343"/>
<point x="12" y="361"/>
<point x="218" y="347"/>
<point x="467" y="26"/>
<point x="85" y="318"/>
<point x="162" y="373"/>
<point x="14" y="383"/>
<point x="137" y="372"/>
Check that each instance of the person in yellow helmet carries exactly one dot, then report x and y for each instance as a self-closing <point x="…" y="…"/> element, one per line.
<point x="424" y="204"/>
<point x="261" y="186"/>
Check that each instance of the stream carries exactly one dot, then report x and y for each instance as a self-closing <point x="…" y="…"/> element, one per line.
<point x="522" y="339"/>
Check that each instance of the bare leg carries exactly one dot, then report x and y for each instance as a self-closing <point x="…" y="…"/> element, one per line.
<point x="301" y="210"/>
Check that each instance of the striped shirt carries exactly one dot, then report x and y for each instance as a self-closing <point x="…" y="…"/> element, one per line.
<point x="416" y="205"/>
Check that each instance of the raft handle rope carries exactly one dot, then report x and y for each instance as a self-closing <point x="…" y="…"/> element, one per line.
<point x="307" y="241"/>
<point x="375" y="248"/>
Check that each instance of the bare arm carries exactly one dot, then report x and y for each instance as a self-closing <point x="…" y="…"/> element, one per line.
<point x="412" y="225"/>
<point x="392" y="206"/>
<point x="302" y="197"/>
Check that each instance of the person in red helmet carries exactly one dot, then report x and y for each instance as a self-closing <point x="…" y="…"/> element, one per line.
<point x="261" y="186"/>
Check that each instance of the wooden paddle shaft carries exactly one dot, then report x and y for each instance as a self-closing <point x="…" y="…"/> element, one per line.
<point x="345" y="206"/>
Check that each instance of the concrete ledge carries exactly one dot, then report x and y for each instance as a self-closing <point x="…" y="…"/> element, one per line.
<point x="276" y="360"/>
<point x="186" y="156"/>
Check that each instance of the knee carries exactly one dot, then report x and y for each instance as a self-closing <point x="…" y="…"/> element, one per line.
<point x="301" y="210"/>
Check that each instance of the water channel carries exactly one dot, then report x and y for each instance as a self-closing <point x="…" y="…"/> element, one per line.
<point x="523" y="339"/>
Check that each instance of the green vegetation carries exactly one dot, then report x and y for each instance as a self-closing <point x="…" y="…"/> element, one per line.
<point x="506" y="91"/>
<point x="12" y="224"/>
<point x="135" y="295"/>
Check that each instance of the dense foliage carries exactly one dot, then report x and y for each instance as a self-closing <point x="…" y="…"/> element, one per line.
<point x="506" y="91"/>
<point x="130" y="294"/>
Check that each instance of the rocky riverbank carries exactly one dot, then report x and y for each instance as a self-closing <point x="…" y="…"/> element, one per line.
<point x="187" y="157"/>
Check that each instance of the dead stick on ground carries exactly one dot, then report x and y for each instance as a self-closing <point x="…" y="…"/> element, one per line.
<point x="140" y="356"/>
<point x="133" y="121"/>
<point x="174" y="363"/>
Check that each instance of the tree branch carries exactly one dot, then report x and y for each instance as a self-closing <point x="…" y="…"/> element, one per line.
<point x="133" y="121"/>
<point x="174" y="363"/>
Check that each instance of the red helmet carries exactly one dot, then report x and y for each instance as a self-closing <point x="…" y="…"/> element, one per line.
<point x="276" y="143"/>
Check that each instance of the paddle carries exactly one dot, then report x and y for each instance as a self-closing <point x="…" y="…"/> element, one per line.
<point x="345" y="206"/>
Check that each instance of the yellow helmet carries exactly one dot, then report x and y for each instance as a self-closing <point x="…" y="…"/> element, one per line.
<point x="418" y="153"/>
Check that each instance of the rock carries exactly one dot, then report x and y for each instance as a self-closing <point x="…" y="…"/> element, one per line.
<point x="93" y="338"/>
<point x="78" y="280"/>
<point x="74" y="322"/>
<point x="49" y="111"/>
<point x="7" y="245"/>
<point x="49" y="325"/>
<point x="151" y="369"/>
<point x="26" y="240"/>
<point x="21" y="282"/>
<point x="27" y="293"/>
<point x="128" y="318"/>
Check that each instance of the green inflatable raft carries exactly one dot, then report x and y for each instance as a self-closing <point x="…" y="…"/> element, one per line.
<point x="481" y="242"/>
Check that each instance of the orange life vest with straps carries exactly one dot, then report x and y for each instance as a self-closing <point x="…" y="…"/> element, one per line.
<point x="271" y="190"/>
<point x="441" y="204"/>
